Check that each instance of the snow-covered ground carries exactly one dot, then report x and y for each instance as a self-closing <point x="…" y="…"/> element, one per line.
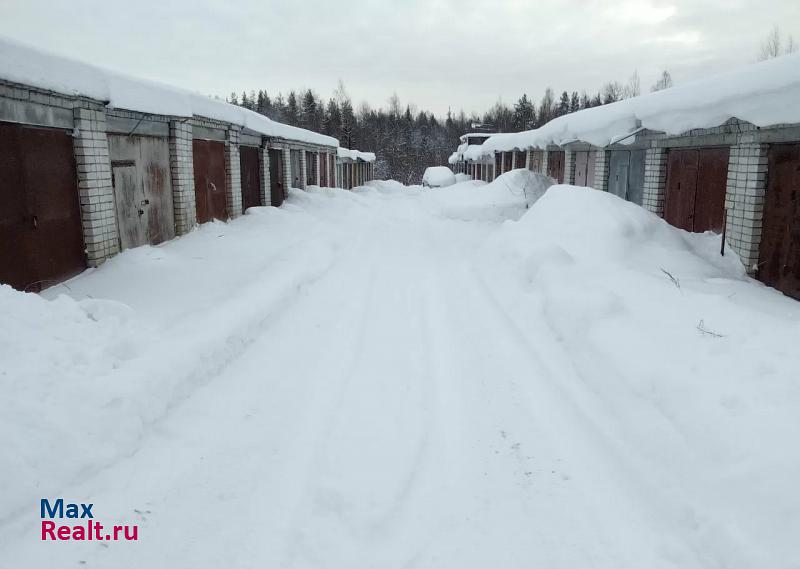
<point x="399" y="377"/>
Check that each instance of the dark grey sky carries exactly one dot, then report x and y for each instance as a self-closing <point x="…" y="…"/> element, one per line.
<point x="435" y="53"/>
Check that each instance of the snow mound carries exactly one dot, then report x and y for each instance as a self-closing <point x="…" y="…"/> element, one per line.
<point x="462" y="178"/>
<point x="438" y="177"/>
<point x="507" y="197"/>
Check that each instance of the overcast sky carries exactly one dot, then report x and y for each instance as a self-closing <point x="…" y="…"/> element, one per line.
<point x="463" y="54"/>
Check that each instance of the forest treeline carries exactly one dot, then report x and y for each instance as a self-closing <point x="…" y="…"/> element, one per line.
<point x="407" y="140"/>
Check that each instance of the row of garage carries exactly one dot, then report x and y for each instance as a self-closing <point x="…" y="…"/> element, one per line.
<point x="81" y="182"/>
<point x="736" y="180"/>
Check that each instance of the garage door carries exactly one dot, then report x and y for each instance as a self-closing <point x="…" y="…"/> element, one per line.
<point x="276" y="190"/>
<point x="626" y="174"/>
<point x="250" y="164"/>
<point x="519" y="159"/>
<point x="506" y="162"/>
<point x="209" y="180"/>
<point x="294" y="163"/>
<point x="311" y="169"/>
<point x="695" y="193"/>
<point x="142" y="189"/>
<point x="323" y="170"/>
<point x="41" y="240"/>
<point x="584" y="168"/>
<point x="536" y="161"/>
<point x="779" y="257"/>
<point x="555" y="165"/>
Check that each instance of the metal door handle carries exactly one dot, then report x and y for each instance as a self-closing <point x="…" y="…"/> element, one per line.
<point x="35" y="222"/>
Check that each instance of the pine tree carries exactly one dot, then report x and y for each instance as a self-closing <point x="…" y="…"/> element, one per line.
<point x="574" y="102"/>
<point x="524" y="114"/>
<point x="563" y="104"/>
<point x="292" y="110"/>
<point x="234" y="100"/>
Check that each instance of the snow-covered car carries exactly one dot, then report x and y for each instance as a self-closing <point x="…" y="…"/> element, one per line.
<point x="438" y="177"/>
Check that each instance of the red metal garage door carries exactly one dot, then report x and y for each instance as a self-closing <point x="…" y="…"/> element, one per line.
<point x="41" y="240"/>
<point x="209" y="180"/>
<point x="779" y="257"/>
<point x="695" y="192"/>
<point x="276" y="190"/>
<point x="251" y="176"/>
<point x="555" y="165"/>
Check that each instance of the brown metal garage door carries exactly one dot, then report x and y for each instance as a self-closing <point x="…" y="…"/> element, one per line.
<point x="695" y="193"/>
<point x="498" y="164"/>
<point x="584" y="168"/>
<point x="209" y="180"/>
<point x="311" y="168"/>
<point x="519" y="159"/>
<point x="555" y="165"/>
<point x="41" y="240"/>
<point x="142" y="189"/>
<point x="506" y="162"/>
<point x="779" y="257"/>
<point x="323" y="170"/>
<point x="536" y="161"/>
<point x="250" y="164"/>
<point x="276" y="189"/>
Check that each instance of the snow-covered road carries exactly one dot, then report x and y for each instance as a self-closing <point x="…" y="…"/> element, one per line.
<point x="367" y="385"/>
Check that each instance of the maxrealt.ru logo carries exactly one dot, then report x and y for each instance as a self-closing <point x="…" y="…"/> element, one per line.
<point x="86" y="530"/>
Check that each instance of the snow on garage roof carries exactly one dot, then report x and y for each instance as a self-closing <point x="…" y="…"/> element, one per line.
<point x="763" y="94"/>
<point x="355" y="154"/>
<point x="29" y="66"/>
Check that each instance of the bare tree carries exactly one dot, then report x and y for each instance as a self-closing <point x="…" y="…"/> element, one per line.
<point x="612" y="92"/>
<point x="664" y="82"/>
<point x="634" y="86"/>
<point x="773" y="45"/>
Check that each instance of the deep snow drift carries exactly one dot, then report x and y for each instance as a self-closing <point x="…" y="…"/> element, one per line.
<point x="484" y="375"/>
<point x="438" y="177"/>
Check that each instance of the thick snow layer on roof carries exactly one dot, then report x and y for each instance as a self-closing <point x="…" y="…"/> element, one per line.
<point x="355" y="154"/>
<point x="29" y="66"/>
<point x="438" y="177"/>
<point x="763" y="94"/>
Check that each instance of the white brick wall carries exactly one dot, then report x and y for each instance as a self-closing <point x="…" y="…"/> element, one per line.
<point x="303" y="169"/>
<point x="655" y="180"/>
<point x="98" y="212"/>
<point x="569" y="166"/>
<point x="287" y="171"/>
<point x="182" y="170"/>
<point x="601" y="170"/>
<point x="266" y="195"/>
<point x="233" y="173"/>
<point x="545" y="154"/>
<point x="744" y="200"/>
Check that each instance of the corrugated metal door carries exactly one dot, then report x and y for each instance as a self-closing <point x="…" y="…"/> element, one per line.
<point x="323" y="170"/>
<point x="536" y="161"/>
<point x="636" y="176"/>
<point x="311" y="169"/>
<point x="555" y="165"/>
<point x="581" y="167"/>
<point x="506" y="161"/>
<point x="142" y="189"/>
<point x="681" y="188"/>
<point x="712" y="181"/>
<point x="294" y="164"/>
<point x="41" y="239"/>
<point x="249" y="163"/>
<point x="275" y="177"/>
<point x="498" y="163"/>
<point x="618" y="166"/>
<point x="209" y="180"/>
<point x="519" y="161"/>
<point x="779" y="256"/>
<point x="591" y="163"/>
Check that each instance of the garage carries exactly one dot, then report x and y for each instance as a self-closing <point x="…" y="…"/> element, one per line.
<point x="142" y="184"/>
<point x="584" y="168"/>
<point x="779" y="255"/>
<point x="507" y="162"/>
<point x="250" y="166"/>
<point x="535" y="164"/>
<point x="323" y="171"/>
<point x="555" y="165"/>
<point x="626" y="174"/>
<point x="695" y="190"/>
<point x="209" y="180"/>
<point x="519" y="159"/>
<point x="276" y="190"/>
<point x="41" y="237"/>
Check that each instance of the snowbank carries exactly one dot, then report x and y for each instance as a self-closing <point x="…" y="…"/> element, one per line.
<point x="667" y="347"/>
<point x="438" y="177"/>
<point x="507" y="197"/>
<point x="763" y="94"/>
<point x="29" y="66"/>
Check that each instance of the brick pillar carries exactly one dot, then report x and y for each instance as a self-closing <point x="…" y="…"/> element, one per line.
<point x="96" y="192"/>
<point x="744" y="200"/>
<point x="303" y="170"/>
<point x="528" y="159"/>
<point x="569" y="166"/>
<point x="287" y="171"/>
<point x="264" y="189"/>
<point x="601" y="169"/>
<point x="233" y="174"/>
<point x="514" y="160"/>
<point x="655" y="180"/>
<point x="545" y="154"/>
<point x="181" y="167"/>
